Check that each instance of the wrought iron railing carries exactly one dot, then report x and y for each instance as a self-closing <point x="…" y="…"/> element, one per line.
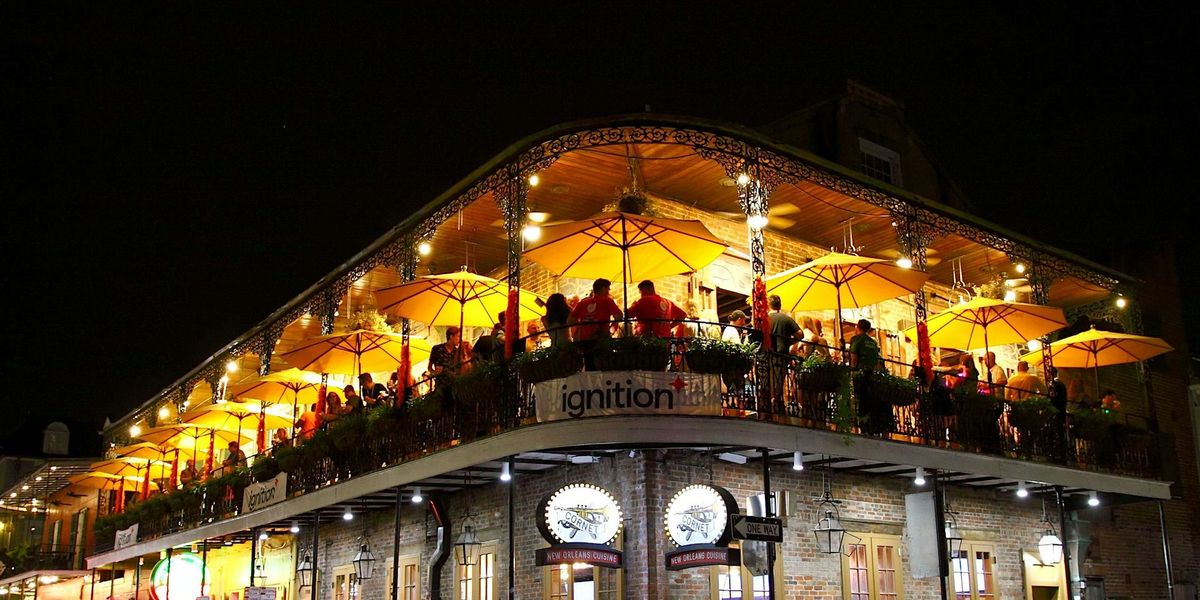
<point x="888" y="402"/>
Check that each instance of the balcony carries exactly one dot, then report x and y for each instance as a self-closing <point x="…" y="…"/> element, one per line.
<point x="885" y="407"/>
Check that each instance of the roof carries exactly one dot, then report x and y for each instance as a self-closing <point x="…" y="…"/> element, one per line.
<point x="565" y="130"/>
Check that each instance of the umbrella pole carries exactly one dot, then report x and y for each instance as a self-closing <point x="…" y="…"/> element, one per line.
<point x="624" y="278"/>
<point x="295" y="400"/>
<point x="985" y="361"/>
<point x="841" y="342"/>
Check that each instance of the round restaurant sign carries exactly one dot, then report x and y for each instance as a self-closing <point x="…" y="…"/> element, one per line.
<point x="699" y="514"/>
<point x="185" y="571"/>
<point x="579" y="513"/>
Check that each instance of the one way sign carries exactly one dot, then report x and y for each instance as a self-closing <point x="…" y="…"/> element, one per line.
<point x="763" y="529"/>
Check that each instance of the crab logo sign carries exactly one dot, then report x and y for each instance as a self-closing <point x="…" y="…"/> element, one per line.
<point x="699" y="514"/>
<point x="580" y="520"/>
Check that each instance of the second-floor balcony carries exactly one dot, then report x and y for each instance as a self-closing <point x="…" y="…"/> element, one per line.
<point x="868" y="413"/>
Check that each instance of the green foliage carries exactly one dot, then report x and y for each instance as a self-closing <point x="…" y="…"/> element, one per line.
<point x="1032" y="412"/>
<point x="820" y="374"/>
<point x="548" y="363"/>
<point x="370" y="320"/>
<point x="731" y="349"/>
<point x="264" y="468"/>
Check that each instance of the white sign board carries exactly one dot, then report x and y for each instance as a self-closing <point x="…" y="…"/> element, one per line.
<point x="126" y="537"/>
<point x="258" y="495"/>
<point x="921" y="526"/>
<point x="600" y="393"/>
<point x="259" y="593"/>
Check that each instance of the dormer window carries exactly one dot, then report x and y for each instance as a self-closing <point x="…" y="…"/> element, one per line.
<point x="880" y="162"/>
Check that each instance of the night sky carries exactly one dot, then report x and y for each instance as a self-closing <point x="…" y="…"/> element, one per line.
<point x="171" y="178"/>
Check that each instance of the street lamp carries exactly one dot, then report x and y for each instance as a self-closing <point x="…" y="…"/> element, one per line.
<point x="466" y="549"/>
<point x="829" y="530"/>
<point x="304" y="570"/>
<point x="1050" y="546"/>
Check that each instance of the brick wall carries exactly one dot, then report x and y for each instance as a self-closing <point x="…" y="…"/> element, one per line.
<point x="644" y="484"/>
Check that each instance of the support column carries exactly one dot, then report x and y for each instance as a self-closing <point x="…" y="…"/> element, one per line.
<point x="1040" y="279"/>
<point x="316" y="574"/>
<point x="1166" y="544"/>
<point x="512" y="557"/>
<point x="92" y="594"/>
<point x="939" y="507"/>
<point x="511" y="197"/>
<point x="1062" y="519"/>
<point x="408" y="273"/>
<point x="270" y="338"/>
<point x="330" y="299"/>
<point x="770" y="510"/>
<point x="396" y="545"/>
<point x="914" y="238"/>
<point x="253" y="553"/>
<point x="137" y="578"/>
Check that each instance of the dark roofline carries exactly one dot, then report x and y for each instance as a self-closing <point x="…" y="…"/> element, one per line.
<point x="514" y="150"/>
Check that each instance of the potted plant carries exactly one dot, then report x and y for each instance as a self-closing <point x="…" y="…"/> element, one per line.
<point x="1093" y="425"/>
<point x="289" y="457"/>
<point x="479" y="385"/>
<point x="819" y="374"/>
<point x="729" y="359"/>
<point x="1032" y="413"/>
<point x="348" y="432"/>
<point x="633" y="353"/>
<point x="977" y="421"/>
<point x="386" y="420"/>
<point x="548" y="363"/>
<point x="264" y="468"/>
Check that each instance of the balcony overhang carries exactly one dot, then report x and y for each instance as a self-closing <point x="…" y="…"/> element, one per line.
<point x="642" y="431"/>
<point x="61" y="574"/>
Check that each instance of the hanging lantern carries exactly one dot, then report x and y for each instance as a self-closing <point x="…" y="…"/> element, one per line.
<point x="1050" y="547"/>
<point x="304" y="570"/>
<point x="466" y="549"/>
<point x="954" y="539"/>
<point x="829" y="530"/>
<point x="364" y="561"/>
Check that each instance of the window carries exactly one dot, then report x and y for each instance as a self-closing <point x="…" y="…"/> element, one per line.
<point x="477" y="581"/>
<point x="879" y="162"/>
<point x="740" y="583"/>
<point x="410" y="578"/>
<point x="871" y="568"/>
<point x="55" y="535"/>
<point x="582" y="581"/>
<point x="974" y="571"/>
<point x="345" y="583"/>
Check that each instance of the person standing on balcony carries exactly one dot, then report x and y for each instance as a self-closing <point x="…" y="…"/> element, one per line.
<point x="864" y="350"/>
<point x="490" y="346"/>
<point x="1057" y="391"/>
<point x="445" y="360"/>
<point x="354" y="403"/>
<point x="735" y="331"/>
<point x="558" y="312"/>
<point x="784" y="329"/>
<point x="1023" y="384"/>
<point x="187" y="475"/>
<point x="592" y="318"/>
<point x="818" y="345"/>
<point x="310" y="421"/>
<point x="998" y="378"/>
<point x="234" y="458"/>
<point x="372" y="393"/>
<point x="655" y="315"/>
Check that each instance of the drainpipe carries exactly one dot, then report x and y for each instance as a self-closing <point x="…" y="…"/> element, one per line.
<point x="442" y="552"/>
<point x="395" y="592"/>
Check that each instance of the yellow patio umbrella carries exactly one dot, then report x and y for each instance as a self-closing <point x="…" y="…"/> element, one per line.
<point x="354" y="353"/>
<point x="187" y="436"/>
<point x="157" y="469"/>
<point x="229" y="416"/>
<point x="626" y="247"/>
<point x="142" y="450"/>
<point x="990" y="321"/>
<point x="461" y="298"/>
<point x="836" y="281"/>
<point x="1094" y="349"/>
<point x="101" y="480"/>
<point x="294" y="385"/>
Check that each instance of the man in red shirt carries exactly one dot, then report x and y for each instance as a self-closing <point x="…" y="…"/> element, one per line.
<point x="592" y="315"/>
<point x="655" y="314"/>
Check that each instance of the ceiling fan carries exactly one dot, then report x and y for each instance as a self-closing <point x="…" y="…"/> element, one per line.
<point x="931" y="257"/>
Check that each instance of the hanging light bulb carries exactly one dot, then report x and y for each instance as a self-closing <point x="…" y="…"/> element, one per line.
<point x="531" y="232"/>
<point x="1022" y="491"/>
<point x="163" y="412"/>
<point x="797" y="461"/>
<point x="262" y="536"/>
<point x="505" y="474"/>
<point x="295" y="528"/>
<point x="743" y="179"/>
<point x="756" y="221"/>
<point x="1020" y="267"/>
<point x="231" y="366"/>
<point x="1034" y="345"/>
<point x="904" y="262"/>
<point x="424" y="248"/>
<point x="1122" y="302"/>
<point x="135" y="430"/>
<point x="534" y="180"/>
<point x="919" y="477"/>
<point x="348" y="515"/>
<point x="1010" y="296"/>
<point x="1093" y="500"/>
<point x="416" y="497"/>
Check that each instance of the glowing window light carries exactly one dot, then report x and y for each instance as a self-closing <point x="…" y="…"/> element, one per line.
<point x="187" y="571"/>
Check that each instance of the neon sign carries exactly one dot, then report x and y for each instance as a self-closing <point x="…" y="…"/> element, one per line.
<point x="185" y="571"/>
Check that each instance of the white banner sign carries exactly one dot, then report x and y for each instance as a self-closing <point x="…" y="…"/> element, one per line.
<point x="921" y="526"/>
<point x="259" y="593"/>
<point x="126" y="537"/>
<point x="628" y="393"/>
<point x="258" y="495"/>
